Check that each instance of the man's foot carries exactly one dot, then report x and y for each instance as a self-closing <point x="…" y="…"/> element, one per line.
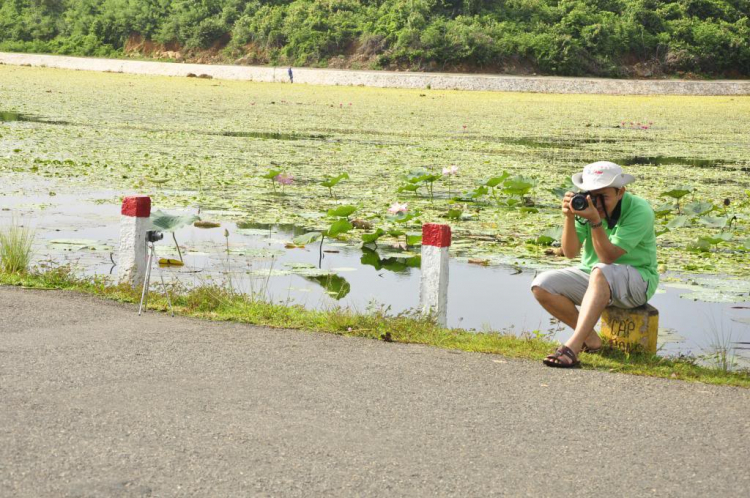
<point x="564" y="357"/>
<point x="592" y="345"/>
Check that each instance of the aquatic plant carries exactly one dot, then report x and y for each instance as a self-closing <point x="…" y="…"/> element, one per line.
<point x="272" y="175"/>
<point x="340" y="226"/>
<point x="397" y="208"/>
<point x="16" y="247"/>
<point x="678" y="193"/>
<point x="449" y="172"/>
<point x="332" y="181"/>
<point x="166" y="222"/>
<point x="284" y="179"/>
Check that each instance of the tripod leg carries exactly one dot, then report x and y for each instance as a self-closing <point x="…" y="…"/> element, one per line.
<point x="144" y="293"/>
<point x="164" y="286"/>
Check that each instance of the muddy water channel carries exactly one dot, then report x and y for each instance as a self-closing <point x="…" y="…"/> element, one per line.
<point x="80" y="227"/>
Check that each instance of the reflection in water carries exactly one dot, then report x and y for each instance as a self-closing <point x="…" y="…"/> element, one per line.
<point x="394" y="264"/>
<point x="335" y="286"/>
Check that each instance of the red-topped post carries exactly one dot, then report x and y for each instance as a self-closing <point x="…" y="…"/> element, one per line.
<point x="133" y="256"/>
<point x="433" y="294"/>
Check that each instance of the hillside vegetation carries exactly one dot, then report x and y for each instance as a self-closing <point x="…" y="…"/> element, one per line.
<point x="615" y="38"/>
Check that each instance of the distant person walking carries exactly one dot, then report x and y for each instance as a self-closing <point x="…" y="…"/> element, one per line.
<point x="291" y="75"/>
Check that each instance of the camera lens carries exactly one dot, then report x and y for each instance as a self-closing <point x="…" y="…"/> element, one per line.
<point x="154" y="236"/>
<point x="579" y="202"/>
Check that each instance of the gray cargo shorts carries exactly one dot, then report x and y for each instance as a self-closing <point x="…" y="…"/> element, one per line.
<point x="627" y="287"/>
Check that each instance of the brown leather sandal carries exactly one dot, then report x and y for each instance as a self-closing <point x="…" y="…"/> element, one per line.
<point x="553" y="360"/>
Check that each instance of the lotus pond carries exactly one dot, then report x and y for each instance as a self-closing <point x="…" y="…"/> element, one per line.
<point x="282" y="166"/>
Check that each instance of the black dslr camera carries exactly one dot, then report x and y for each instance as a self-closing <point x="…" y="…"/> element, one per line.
<point x="154" y="236"/>
<point x="579" y="202"/>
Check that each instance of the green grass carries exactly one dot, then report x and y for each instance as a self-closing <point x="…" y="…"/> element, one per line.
<point x="218" y="304"/>
<point x="15" y="248"/>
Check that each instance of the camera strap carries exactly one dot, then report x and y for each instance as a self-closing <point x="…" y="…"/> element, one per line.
<point x="615" y="216"/>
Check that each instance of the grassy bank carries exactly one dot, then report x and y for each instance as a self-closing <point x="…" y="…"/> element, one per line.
<point x="216" y="303"/>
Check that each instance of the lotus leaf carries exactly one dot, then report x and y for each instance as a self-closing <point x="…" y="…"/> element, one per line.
<point x="497" y="180"/>
<point x="713" y="222"/>
<point x="549" y="236"/>
<point x="332" y="181"/>
<point x="679" y="192"/>
<point x="307" y="238"/>
<point x="698" y="208"/>
<point x="678" y="222"/>
<point x="342" y="211"/>
<point x="339" y="227"/>
<point x="369" y="238"/>
<point x="166" y="222"/>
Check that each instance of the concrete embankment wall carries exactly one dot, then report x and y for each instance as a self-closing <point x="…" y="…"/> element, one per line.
<point x="390" y="79"/>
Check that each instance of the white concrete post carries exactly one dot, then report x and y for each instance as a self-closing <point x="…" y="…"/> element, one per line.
<point x="131" y="265"/>
<point x="433" y="293"/>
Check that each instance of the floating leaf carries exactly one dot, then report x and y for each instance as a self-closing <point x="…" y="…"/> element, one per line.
<point x="549" y="236"/>
<point x="78" y="245"/>
<point x="206" y="224"/>
<point x="170" y="262"/>
<point x="478" y="261"/>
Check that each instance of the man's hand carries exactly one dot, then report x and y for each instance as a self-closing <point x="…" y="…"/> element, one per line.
<point x="590" y="212"/>
<point x="566" y="208"/>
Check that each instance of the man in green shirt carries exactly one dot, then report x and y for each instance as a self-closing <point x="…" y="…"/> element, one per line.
<point x="618" y="264"/>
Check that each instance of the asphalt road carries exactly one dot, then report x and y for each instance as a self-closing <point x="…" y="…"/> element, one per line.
<point x="95" y="401"/>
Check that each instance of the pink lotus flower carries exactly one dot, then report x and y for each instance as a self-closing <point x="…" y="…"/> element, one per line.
<point x="453" y="170"/>
<point x="398" y="208"/>
<point x="284" y="178"/>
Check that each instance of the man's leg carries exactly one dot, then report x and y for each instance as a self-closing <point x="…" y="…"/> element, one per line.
<point x="594" y="301"/>
<point x="564" y="309"/>
<point x="558" y="306"/>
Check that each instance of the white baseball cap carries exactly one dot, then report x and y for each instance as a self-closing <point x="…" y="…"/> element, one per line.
<point x="601" y="174"/>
